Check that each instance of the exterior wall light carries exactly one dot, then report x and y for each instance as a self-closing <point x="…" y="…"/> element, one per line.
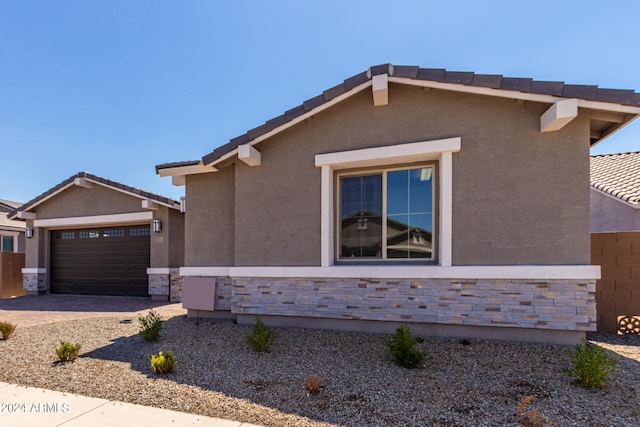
<point x="157" y="225"/>
<point x="29" y="232"/>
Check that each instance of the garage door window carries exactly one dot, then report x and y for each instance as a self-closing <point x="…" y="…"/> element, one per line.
<point x="66" y="235"/>
<point x="89" y="234"/>
<point x="139" y="231"/>
<point x="119" y="232"/>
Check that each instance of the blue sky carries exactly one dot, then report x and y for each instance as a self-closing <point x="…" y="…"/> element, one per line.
<point x="115" y="87"/>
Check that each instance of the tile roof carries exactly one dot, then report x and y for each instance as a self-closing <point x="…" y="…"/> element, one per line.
<point x="119" y="186"/>
<point x="494" y="81"/>
<point x="177" y="164"/>
<point x="9" y="205"/>
<point x="617" y="175"/>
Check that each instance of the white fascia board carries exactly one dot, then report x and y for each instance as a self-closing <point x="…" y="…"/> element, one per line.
<point x="559" y="115"/>
<point x="187" y="170"/>
<point x="519" y="272"/>
<point x="399" y="153"/>
<point x="512" y="94"/>
<point x="297" y="120"/>
<point x="249" y="155"/>
<point x="380" y="89"/>
<point x="25" y="215"/>
<point x="102" y="220"/>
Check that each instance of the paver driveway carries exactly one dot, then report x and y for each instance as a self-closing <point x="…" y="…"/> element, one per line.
<point x="35" y="310"/>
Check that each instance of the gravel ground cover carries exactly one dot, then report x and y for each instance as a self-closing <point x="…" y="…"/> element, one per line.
<point x="474" y="383"/>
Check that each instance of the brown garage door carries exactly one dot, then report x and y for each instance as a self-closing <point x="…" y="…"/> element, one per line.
<point x="100" y="261"/>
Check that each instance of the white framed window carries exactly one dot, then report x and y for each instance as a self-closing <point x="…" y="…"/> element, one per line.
<point x="7" y="243"/>
<point x="386" y="157"/>
<point x="386" y="214"/>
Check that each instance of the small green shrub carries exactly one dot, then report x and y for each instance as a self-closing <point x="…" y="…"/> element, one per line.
<point x="402" y="348"/>
<point x="68" y="352"/>
<point x="150" y="325"/>
<point x="262" y="336"/>
<point x="7" y="329"/>
<point x="592" y="365"/>
<point x="162" y="363"/>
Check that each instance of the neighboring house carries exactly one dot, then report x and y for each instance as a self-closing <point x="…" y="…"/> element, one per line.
<point x="94" y="236"/>
<point x="453" y="201"/>
<point x="11" y="251"/>
<point x="615" y="192"/>
<point x="615" y="239"/>
<point x="11" y="232"/>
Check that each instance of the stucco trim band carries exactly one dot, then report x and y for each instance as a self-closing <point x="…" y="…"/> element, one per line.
<point x="525" y="272"/>
<point x="34" y="270"/>
<point x="94" y="220"/>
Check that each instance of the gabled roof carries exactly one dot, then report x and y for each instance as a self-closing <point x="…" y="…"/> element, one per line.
<point x="136" y="192"/>
<point x="617" y="175"/>
<point x="617" y="107"/>
<point x="8" y="205"/>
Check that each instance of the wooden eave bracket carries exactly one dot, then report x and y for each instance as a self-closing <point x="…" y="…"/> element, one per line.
<point x="249" y="155"/>
<point x="178" y="180"/>
<point x="150" y="205"/>
<point x="26" y="215"/>
<point x="380" y="89"/>
<point x="83" y="182"/>
<point x="558" y="115"/>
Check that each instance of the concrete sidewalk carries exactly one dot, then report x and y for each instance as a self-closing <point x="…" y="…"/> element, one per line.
<point x="30" y="406"/>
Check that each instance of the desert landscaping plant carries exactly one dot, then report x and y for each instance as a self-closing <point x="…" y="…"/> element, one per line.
<point x="402" y="348"/>
<point x="313" y="384"/>
<point x="68" y="352"/>
<point x="592" y="365"/>
<point x="262" y="336"/>
<point x="7" y="329"/>
<point x="162" y="363"/>
<point x="531" y="417"/>
<point x="150" y="325"/>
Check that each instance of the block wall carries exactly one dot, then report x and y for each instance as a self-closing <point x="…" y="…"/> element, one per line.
<point x="618" y="291"/>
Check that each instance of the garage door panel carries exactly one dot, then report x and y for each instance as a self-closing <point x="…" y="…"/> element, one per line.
<point x="101" y="261"/>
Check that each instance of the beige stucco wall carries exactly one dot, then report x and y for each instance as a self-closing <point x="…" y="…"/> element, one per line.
<point x="167" y="247"/>
<point x="519" y="196"/>
<point x="80" y="201"/>
<point x="210" y="218"/>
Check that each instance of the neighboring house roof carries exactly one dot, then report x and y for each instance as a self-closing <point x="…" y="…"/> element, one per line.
<point x="617" y="175"/>
<point x="142" y="194"/>
<point x="485" y="84"/>
<point x="5" y="223"/>
<point x="8" y="205"/>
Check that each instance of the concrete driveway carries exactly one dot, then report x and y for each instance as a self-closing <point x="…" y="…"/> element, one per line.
<point x="36" y="310"/>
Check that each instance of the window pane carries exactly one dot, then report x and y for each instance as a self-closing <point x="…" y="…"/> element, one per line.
<point x="397" y="236"/>
<point x="361" y="216"/>
<point x="119" y="232"/>
<point x="7" y="243"/>
<point x="397" y="192"/>
<point x="420" y="187"/>
<point x="409" y="216"/>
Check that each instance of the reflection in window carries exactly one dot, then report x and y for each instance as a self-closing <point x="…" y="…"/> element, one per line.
<point x="396" y="226"/>
<point x="89" y="234"/>
<point x="113" y="233"/>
